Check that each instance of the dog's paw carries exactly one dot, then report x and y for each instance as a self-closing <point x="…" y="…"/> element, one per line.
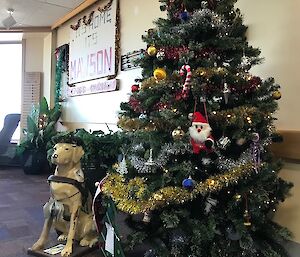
<point x="84" y="242"/>
<point x="62" y="237"/>
<point x="66" y="251"/>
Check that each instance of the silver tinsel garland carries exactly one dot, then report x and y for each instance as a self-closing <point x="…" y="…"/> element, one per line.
<point x="224" y="163"/>
<point x="141" y="164"/>
<point x="204" y="17"/>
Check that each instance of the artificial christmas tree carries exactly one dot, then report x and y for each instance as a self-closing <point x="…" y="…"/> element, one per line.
<point x="200" y="179"/>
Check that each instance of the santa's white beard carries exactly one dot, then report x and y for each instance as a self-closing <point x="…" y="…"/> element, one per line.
<point x="199" y="137"/>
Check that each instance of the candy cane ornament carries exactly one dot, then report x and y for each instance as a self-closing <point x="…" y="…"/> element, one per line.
<point x="187" y="82"/>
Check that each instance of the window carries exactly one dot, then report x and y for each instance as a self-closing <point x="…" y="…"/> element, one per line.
<point x="10" y="81"/>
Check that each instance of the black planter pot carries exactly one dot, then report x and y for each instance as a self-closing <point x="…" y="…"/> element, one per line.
<point x="35" y="162"/>
<point x="93" y="173"/>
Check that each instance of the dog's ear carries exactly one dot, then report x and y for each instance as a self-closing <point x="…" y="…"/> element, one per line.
<point x="77" y="153"/>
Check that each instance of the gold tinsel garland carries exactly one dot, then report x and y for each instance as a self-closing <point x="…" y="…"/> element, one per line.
<point x="133" y="124"/>
<point x="129" y="195"/>
<point x="239" y="116"/>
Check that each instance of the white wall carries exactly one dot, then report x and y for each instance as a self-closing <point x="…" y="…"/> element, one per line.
<point x="38" y="58"/>
<point x="34" y="53"/>
<point x="47" y="55"/>
<point x="273" y="27"/>
<point x="96" y="109"/>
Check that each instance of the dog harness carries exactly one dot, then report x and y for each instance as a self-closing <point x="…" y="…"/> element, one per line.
<point x="79" y="185"/>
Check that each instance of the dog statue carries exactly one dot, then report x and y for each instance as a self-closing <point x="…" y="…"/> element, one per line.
<point x="69" y="201"/>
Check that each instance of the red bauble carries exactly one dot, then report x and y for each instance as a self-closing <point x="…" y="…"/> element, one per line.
<point x="135" y="88"/>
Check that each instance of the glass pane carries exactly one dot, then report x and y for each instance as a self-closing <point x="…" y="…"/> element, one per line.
<point x="10" y="82"/>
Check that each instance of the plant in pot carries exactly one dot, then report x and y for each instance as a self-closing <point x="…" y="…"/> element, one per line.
<point x="100" y="152"/>
<point x="36" y="141"/>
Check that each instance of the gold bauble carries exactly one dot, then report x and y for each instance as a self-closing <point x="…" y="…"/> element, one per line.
<point x="237" y="197"/>
<point x="276" y="95"/>
<point x="160" y="74"/>
<point x="152" y="50"/>
<point x="241" y="141"/>
<point x="178" y="133"/>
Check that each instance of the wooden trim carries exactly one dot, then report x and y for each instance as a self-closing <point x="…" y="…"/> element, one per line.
<point x="74" y="12"/>
<point x="290" y="147"/>
<point x="25" y="29"/>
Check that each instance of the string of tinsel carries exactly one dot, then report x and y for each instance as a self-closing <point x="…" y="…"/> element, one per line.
<point x="200" y="18"/>
<point x="58" y="76"/>
<point x="239" y="116"/>
<point x="129" y="194"/>
<point x="224" y="163"/>
<point x="87" y="22"/>
<point x="167" y="150"/>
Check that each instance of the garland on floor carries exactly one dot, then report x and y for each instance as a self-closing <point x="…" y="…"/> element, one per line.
<point x="62" y="65"/>
<point x="116" y="186"/>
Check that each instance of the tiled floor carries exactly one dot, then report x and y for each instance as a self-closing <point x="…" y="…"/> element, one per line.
<point x="21" y="215"/>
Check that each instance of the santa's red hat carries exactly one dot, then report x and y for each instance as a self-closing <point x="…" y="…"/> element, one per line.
<point x="198" y="117"/>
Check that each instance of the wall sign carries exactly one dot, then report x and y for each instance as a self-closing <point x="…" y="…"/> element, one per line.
<point x="93" y="87"/>
<point x="93" y="46"/>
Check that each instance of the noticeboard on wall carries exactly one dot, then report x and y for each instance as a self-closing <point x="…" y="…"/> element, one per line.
<point x="92" y="45"/>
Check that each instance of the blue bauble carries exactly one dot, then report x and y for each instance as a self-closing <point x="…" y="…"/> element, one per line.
<point x="188" y="183"/>
<point x="184" y="16"/>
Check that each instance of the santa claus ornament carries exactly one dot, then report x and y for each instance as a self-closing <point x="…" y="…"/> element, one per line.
<point x="200" y="133"/>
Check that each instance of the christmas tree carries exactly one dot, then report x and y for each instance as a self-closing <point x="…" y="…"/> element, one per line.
<point x="197" y="177"/>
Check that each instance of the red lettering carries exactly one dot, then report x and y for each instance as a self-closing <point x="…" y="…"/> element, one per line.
<point x="107" y="59"/>
<point x="100" y="62"/>
<point x="79" y="67"/>
<point x="92" y="64"/>
<point x="73" y="70"/>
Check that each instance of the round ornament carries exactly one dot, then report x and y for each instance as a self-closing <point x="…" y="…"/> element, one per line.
<point x="161" y="55"/>
<point x="241" y="141"/>
<point x="143" y="116"/>
<point x="276" y="95"/>
<point x="184" y="16"/>
<point x="188" y="183"/>
<point x="152" y="50"/>
<point x="160" y="74"/>
<point x="178" y="133"/>
<point x="135" y="88"/>
<point x="191" y="116"/>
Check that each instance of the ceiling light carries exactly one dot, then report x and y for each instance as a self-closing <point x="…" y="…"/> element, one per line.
<point x="9" y="21"/>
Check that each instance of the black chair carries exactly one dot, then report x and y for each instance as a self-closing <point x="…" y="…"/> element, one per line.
<point x="11" y="122"/>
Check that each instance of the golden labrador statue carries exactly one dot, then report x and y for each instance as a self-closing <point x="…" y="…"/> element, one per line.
<point x="69" y="201"/>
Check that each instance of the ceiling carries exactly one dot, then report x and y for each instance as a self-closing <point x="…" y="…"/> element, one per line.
<point x="36" y="13"/>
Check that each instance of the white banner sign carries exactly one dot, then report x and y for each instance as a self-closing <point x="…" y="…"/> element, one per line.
<point x="92" y="47"/>
<point x="93" y="87"/>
